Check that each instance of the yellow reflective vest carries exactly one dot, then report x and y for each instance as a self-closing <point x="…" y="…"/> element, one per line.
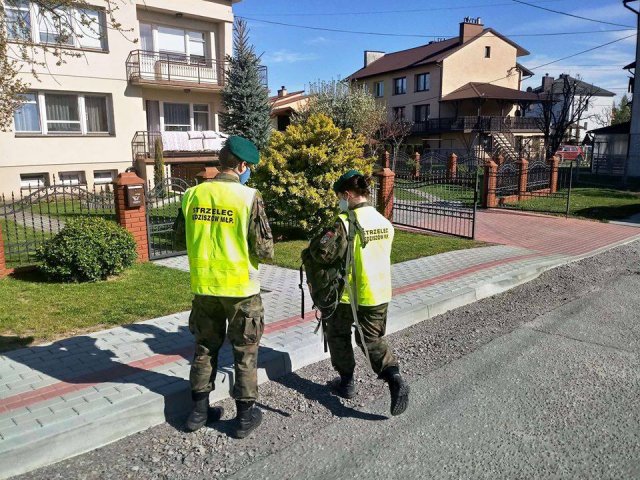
<point x="217" y="228"/>
<point x="373" y="262"/>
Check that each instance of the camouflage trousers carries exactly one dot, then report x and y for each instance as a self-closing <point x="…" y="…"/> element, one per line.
<point x="373" y="321"/>
<point x="208" y="323"/>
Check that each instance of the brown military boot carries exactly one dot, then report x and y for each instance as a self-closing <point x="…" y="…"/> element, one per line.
<point x="249" y="418"/>
<point x="398" y="388"/>
<point x="202" y="413"/>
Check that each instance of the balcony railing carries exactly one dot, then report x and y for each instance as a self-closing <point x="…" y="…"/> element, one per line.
<point x="177" y="69"/>
<point x="477" y="124"/>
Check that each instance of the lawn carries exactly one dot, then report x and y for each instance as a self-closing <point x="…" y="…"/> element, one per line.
<point x="32" y="310"/>
<point x="20" y="243"/>
<point x="406" y="246"/>
<point x="589" y="202"/>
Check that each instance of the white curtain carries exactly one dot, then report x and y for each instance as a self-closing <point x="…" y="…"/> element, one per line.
<point x="146" y="37"/>
<point x="96" y="111"/>
<point x="27" y="117"/>
<point x="62" y="113"/>
<point x="177" y="117"/>
<point x="171" y="40"/>
<point x="89" y="28"/>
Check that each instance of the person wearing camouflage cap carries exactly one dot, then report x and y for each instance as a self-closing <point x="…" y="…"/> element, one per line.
<point x="227" y="232"/>
<point x="367" y="268"/>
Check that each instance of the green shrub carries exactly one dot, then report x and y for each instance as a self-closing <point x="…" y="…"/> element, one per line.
<point x="298" y="169"/>
<point x="87" y="249"/>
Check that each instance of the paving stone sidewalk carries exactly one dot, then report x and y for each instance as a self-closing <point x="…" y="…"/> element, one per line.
<point x="74" y="395"/>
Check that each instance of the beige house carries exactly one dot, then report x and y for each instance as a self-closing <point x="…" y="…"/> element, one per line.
<point x="84" y="120"/>
<point x="459" y="92"/>
<point x="284" y="105"/>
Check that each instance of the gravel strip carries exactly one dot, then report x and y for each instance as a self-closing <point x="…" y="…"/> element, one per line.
<point x="299" y="404"/>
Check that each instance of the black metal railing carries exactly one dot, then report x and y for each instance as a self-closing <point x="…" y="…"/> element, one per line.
<point x="477" y="124"/>
<point x="35" y="214"/>
<point x="437" y="202"/>
<point x="175" y="68"/>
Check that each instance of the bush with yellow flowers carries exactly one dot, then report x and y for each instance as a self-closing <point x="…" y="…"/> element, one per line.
<point x="298" y="169"/>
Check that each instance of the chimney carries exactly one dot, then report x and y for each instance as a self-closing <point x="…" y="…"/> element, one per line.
<point x="469" y="28"/>
<point x="282" y="92"/>
<point x="547" y="82"/>
<point x="371" y="56"/>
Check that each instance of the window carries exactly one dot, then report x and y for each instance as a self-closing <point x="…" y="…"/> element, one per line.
<point x="423" y="82"/>
<point x="27" y="116"/>
<point x="177" y="117"/>
<point x="378" y="89"/>
<point x="399" y="85"/>
<point x="55" y="26"/>
<point x="102" y="177"/>
<point x="18" y="20"/>
<point x="34" y="180"/>
<point x="96" y="114"/>
<point x="398" y="113"/>
<point x="196" y="46"/>
<point x="421" y="113"/>
<point x="201" y="117"/>
<point x="72" y="178"/>
<point x="63" y="114"/>
<point x="487" y="52"/>
<point x="176" y="43"/>
<point x="89" y="28"/>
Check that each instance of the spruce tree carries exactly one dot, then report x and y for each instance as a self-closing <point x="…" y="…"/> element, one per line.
<point x="245" y="98"/>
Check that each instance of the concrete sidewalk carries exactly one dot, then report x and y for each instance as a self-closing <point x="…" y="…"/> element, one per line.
<point x="74" y="395"/>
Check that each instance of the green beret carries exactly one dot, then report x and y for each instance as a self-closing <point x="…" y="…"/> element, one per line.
<point x="244" y="149"/>
<point x="339" y="185"/>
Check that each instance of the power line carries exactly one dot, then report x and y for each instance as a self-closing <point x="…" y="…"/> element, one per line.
<point x="570" y="14"/>
<point x="378" y="12"/>
<point x="390" y="34"/>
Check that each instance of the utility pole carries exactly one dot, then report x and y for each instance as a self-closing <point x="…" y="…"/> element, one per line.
<point x="632" y="166"/>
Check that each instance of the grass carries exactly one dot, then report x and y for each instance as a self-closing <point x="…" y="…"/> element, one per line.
<point x="588" y="202"/>
<point x="20" y="242"/>
<point x="33" y="310"/>
<point x="406" y="246"/>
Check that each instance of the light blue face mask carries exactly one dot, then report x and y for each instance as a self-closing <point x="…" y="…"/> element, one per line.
<point x="244" y="176"/>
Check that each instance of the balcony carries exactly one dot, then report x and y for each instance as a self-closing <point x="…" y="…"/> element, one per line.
<point x="477" y="124"/>
<point x="178" y="70"/>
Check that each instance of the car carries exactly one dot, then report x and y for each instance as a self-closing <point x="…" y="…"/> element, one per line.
<point x="569" y="153"/>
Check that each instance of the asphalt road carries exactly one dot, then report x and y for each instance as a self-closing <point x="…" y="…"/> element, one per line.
<point x="541" y="381"/>
<point x="558" y="397"/>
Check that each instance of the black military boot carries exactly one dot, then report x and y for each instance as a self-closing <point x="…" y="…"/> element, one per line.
<point x="249" y="418"/>
<point x="345" y="386"/>
<point x="201" y="413"/>
<point x="399" y="390"/>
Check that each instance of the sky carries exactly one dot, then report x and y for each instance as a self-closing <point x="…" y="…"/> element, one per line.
<point x="297" y="56"/>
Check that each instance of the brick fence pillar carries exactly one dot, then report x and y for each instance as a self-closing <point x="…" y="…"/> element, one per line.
<point x="385" y="159"/>
<point x="452" y="166"/>
<point x="490" y="200"/>
<point x="386" y="179"/>
<point x="416" y="165"/>
<point x="523" y="176"/>
<point x="133" y="219"/>
<point x="3" y="265"/>
<point x="554" y="163"/>
<point x="206" y="175"/>
<point x="498" y="159"/>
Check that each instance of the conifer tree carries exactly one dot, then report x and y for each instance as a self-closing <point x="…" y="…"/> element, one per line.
<point x="245" y="97"/>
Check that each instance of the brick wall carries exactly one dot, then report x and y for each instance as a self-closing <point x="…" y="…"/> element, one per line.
<point x="133" y="219"/>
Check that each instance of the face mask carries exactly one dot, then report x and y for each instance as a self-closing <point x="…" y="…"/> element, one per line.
<point x="343" y="204"/>
<point x="244" y="176"/>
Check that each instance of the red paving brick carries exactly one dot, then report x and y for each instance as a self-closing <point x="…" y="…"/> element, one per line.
<point x="549" y="234"/>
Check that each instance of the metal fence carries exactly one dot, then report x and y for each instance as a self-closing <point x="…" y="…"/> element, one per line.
<point x="35" y="214"/>
<point x="437" y="202"/>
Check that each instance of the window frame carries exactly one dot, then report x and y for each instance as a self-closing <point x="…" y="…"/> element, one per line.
<point x="81" y="178"/>
<point x="44" y="183"/>
<point x="112" y="176"/>
<point x="427" y="76"/>
<point x="197" y="109"/>
<point x="155" y="40"/>
<point x="73" y="21"/>
<point x="395" y="85"/>
<point x="163" y="125"/>
<point x="37" y="104"/>
<point x="29" y="16"/>
<point x="487" y="51"/>
<point x="378" y="92"/>
<point x="44" y="121"/>
<point x="427" y="106"/>
<point x="402" y="110"/>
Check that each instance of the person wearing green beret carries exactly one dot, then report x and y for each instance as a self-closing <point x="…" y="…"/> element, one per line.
<point x="360" y="241"/>
<point x="227" y="233"/>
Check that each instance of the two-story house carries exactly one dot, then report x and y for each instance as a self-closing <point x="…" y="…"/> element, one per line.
<point x="457" y="92"/>
<point x="82" y="119"/>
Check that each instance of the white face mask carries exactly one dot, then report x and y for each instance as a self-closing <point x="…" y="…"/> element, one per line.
<point x="343" y="204"/>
